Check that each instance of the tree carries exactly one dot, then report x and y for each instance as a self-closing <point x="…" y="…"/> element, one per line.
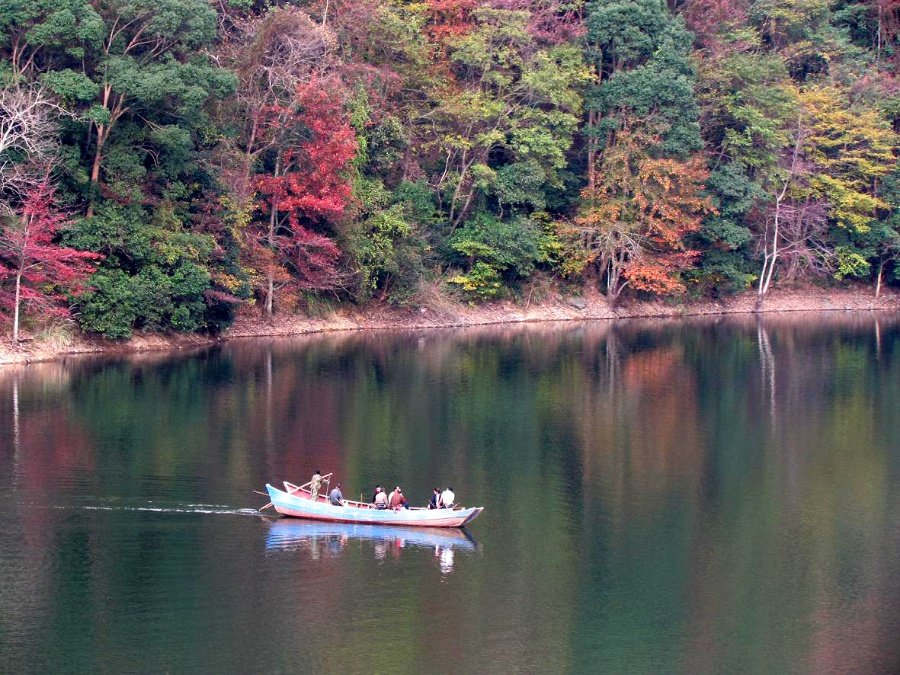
<point x="635" y="222"/>
<point x="829" y="173"/>
<point x="114" y="61"/>
<point x="271" y="55"/>
<point x="307" y="187"/>
<point x="853" y="148"/>
<point x="28" y="138"/>
<point x="512" y="101"/>
<point x="639" y="54"/>
<point x="41" y="271"/>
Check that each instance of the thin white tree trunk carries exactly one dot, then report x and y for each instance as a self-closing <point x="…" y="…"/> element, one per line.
<point x="18" y="302"/>
<point x="878" y="282"/>
<point x="776" y="233"/>
<point x="771" y="258"/>
<point x="270" y="280"/>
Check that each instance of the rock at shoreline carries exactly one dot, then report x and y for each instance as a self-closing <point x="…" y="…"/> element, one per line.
<point x="577" y="303"/>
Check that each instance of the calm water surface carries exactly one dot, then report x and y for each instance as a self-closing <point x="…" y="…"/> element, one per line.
<point x="660" y="497"/>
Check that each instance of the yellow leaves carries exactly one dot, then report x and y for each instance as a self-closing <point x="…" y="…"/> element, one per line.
<point x="850" y="148"/>
<point x="229" y="282"/>
<point x="856" y="144"/>
<point x="850" y="208"/>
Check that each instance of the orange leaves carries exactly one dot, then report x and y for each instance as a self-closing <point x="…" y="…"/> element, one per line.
<point x="450" y="18"/>
<point x="660" y="274"/>
<point x="635" y="222"/>
<point x="671" y="198"/>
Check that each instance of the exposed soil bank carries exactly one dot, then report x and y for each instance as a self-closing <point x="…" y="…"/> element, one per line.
<point x="442" y="313"/>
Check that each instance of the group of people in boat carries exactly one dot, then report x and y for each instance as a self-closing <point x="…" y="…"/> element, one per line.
<point x="396" y="500"/>
<point x="381" y="500"/>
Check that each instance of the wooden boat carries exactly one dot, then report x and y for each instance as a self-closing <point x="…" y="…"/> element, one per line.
<point x="296" y="501"/>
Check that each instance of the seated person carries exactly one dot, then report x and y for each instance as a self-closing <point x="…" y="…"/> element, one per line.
<point x="336" y="497"/>
<point x="435" y="499"/>
<point x="381" y="499"/>
<point x="397" y="500"/>
<point x="448" y="499"/>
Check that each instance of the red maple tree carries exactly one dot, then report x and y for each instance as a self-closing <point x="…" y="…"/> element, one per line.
<point x="309" y="188"/>
<point x="34" y="269"/>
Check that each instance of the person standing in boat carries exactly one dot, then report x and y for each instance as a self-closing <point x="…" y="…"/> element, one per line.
<point x="336" y="497"/>
<point x="448" y="498"/>
<point x="315" y="485"/>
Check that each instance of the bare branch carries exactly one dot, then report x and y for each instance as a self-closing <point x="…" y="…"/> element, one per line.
<point x="28" y="125"/>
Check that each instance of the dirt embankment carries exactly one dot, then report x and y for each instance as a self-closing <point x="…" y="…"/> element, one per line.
<point x="441" y="312"/>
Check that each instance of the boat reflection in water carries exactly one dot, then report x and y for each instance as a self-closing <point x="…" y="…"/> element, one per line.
<point x="327" y="540"/>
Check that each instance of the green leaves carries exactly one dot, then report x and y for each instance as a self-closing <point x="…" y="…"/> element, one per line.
<point x="624" y="33"/>
<point x="70" y="85"/>
<point x="511" y="246"/>
<point x="640" y="53"/>
<point x="156" y="274"/>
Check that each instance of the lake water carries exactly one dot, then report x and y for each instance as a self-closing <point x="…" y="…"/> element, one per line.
<point x="698" y="497"/>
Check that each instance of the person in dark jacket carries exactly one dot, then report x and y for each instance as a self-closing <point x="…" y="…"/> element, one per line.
<point x="336" y="497"/>
<point x="435" y="499"/>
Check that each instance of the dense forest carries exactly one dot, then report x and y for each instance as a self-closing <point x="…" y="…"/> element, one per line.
<point x="166" y="163"/>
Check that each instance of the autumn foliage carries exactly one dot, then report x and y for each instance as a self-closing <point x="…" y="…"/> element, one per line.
<point x="240" y="153"/>
<point x="309" y="189"/>
<point x="636" y="222"/>
<point x="35" y="270"/>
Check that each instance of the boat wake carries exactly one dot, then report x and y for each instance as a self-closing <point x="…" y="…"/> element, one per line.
<point x="217" y="509"/>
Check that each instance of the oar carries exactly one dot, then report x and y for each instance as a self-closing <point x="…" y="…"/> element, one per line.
<point x="270" y="503"/>
<point x="326" y="479"/>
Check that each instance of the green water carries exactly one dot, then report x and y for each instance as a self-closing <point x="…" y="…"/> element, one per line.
<point x="700" y="497"/>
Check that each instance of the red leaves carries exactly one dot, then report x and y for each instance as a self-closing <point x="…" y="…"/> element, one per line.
<point x="710" y="19"/>
<point x="316" y="259"/>
<point x="29" y="255"/>
<point x="550" y="21"/>
<point x="310" y="188"/>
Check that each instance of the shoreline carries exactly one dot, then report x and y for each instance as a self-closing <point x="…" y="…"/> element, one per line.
<point x="444" y="313"/>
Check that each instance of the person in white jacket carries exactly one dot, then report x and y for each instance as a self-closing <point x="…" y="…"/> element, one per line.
<point x="448" y="499"/>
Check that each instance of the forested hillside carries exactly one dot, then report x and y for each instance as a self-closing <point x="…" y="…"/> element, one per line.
<point x="166" y="163"/>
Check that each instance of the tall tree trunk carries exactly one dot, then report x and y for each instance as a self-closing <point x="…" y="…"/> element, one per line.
<point x="18" y="302"/>
<point x="456" y="193"/>
<point x="273" y="221"/>
<point x="592" y="153"/>
<point x="270" y="280"/>
<point x="770" y="259"/>
<point x="95" y="168"/>
<point x="878" y="282"/>
<point x="774" y="255"/>
<point x="115" y="111"/>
